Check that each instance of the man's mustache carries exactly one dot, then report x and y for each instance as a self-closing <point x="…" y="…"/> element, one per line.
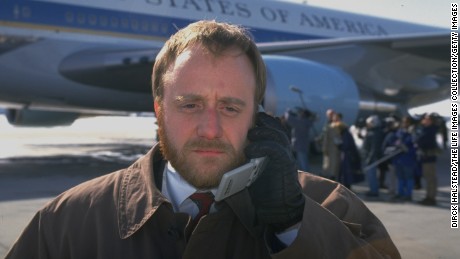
<point x="216" y="145"/>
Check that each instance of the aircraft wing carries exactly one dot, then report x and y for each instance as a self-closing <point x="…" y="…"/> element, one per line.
<point x="411" y="69"/>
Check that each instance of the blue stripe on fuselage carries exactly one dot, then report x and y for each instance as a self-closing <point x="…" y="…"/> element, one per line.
<point x="110" y="21"/>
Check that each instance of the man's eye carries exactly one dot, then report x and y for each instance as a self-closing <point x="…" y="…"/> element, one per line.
<point x="189" y="107"/>
<point x="230" y="110"/>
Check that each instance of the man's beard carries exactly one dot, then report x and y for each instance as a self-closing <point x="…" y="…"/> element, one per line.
<point x="203" y="173"/>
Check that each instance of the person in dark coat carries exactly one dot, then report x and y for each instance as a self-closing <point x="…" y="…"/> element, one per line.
<point x="300" y="124"/>
<point x="208" y="81"/>
<point x="393" y="125"/>
<point x="350" y="161"/>
<point x="372" y="151"/>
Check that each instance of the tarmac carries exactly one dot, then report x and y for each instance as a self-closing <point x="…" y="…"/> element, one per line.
<point x="35" y="169"/>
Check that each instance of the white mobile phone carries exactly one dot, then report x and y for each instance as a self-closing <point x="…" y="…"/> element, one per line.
<point x="239" y="178"/>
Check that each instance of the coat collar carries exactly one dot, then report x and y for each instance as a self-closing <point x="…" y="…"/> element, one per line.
<point x="138" y="194"/>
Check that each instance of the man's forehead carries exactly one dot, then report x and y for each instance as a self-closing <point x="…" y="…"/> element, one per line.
<point x="198" y="55"/>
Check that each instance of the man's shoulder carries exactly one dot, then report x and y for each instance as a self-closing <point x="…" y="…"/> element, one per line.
<point x="88" y="193"/>
<point x="102" y="189"/>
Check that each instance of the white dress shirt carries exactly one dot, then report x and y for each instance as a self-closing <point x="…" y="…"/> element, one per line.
<point x="178" y="190"/>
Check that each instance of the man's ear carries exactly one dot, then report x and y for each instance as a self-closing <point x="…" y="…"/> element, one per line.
<point x="156" y="107"/>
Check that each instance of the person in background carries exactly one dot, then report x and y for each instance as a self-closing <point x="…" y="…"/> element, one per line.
<point x="392" y="125"/>
<point x="383" y="168"/>
<point x="372" y="151"/>
<point x="208" y="80"/>
<point x="350" y="160"/>
<point x="441" y="123"/>
<point x="427" y="151"/>
<point x="331" y="152"/>
<point x="404" y="162"/>
<point x="300" y="124"/>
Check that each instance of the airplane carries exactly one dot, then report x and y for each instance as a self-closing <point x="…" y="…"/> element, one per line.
<point x="61" y="59"/>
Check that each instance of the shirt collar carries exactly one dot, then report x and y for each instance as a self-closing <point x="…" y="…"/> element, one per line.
<point x="176" y="188"/>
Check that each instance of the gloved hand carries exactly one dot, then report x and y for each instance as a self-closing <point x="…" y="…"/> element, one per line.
<point x="276" y="193"/>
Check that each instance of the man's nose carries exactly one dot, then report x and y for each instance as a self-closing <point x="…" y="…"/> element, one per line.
<point x="210" y="126"/>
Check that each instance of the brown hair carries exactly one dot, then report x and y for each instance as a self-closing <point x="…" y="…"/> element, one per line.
<point x="216" y="37"/>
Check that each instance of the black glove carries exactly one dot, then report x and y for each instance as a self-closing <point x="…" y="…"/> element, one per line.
<point x="276" y="193"/>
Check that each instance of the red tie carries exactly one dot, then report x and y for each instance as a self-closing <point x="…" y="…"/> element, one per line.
<point x="203" y="200"/>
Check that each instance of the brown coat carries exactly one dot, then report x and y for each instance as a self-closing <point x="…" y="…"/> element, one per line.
<point x="124" y="215"/>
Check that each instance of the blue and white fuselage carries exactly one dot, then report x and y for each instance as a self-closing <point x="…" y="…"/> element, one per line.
<point x="157" y="19"/>
<point x="96" y="55"/>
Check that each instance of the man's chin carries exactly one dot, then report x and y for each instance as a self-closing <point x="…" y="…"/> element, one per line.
<point x="205" y="179"/>
<point x="204" y="171"/>
<point x="215" y="164"/>
<point x="205" y="174"/>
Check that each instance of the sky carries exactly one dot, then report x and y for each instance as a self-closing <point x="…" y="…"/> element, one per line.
<point x="427" y="12"/>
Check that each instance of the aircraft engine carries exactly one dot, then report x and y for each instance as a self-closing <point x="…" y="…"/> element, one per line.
<point x="39" y="118"/>
<point x="294" y="82"/>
